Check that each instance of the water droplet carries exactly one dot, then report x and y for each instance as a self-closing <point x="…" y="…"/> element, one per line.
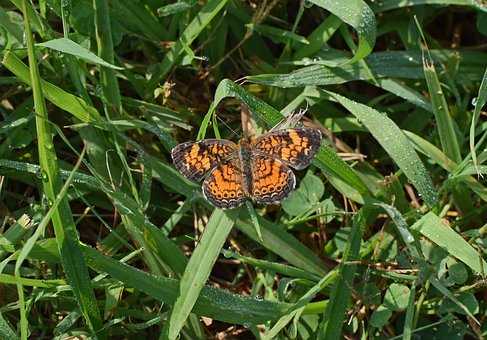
<point x="474" y="101"/>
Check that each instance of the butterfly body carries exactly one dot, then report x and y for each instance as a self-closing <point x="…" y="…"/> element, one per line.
<point x="253" y="169"/>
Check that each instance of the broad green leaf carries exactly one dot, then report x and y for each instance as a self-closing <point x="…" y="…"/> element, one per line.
<point x="307" y="195"/>
<point x="397" y="297"/>
<point x="380" y="317"/>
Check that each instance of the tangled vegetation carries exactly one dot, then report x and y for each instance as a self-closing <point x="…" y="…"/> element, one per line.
<point x="384" y="237"/>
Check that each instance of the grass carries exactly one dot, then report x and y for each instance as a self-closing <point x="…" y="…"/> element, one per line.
<point x="384" y="237"/>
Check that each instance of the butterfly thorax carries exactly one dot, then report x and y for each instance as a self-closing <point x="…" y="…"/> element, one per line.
<point x="245" y="156"/>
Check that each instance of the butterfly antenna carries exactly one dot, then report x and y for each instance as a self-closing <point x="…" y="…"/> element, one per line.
<point x="228" y="126"/>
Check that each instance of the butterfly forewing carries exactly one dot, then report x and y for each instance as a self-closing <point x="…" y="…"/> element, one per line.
<point x="294" y="147"/>
<point x="195" y="159"/>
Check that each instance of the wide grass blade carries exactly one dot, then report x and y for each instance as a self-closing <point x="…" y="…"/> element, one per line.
<point x="77" y="106"/>
<point x="198" y="269"/>
<point x="214" y="303"/>
<point x="357" y="14"/>
<point x="393" y="140"/>
<point x="62" y="218"/>
<point x="68" y="46"/>
<point x="382" y="65"/>
<point x="433" y="228"/>
<point x="479" y="103"/>
<point x="387" y="5"/>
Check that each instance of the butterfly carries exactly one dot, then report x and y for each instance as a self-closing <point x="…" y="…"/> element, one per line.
<point x="258" y="169"/>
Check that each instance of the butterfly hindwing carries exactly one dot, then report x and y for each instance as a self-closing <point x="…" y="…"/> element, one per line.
<point x="272" y="180"/>
<point x="223" y="186"/>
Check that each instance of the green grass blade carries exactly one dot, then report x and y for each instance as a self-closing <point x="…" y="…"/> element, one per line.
<point x="198" y="269"/>
<point x="214" y="303"/>
<point x="387" y="5"/>
<point x="319" y="37"/>
<point x="192" y="31"/>
<point x="62" y="218"/>
<point x="382" y="65"/>
<point x="68" y="46"/>
<point x="6" y="331"/>
<point x="408" y="322"/>
<point x="357" y="14"/>
<point x="393" y="140"/>
<point x="433" y="228"/>
<point x="444" y="121"/>
<point x="331" y="326"/>
<point x="104" y="41"/>
<point x="78" y="107"/>
<point x="29" y="244"/>
<point x="299" y="306"/>
<point x="479" y="103"/>
<point x="283" y="244"/>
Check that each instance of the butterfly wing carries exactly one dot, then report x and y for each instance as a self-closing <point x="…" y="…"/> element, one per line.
<point x="194" y="159"/>
<point x="223" y="187"/>
<point x="272" y="180"/>
<point x="294" y="147"/>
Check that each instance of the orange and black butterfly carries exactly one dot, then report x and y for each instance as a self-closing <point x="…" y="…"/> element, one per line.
<point x="258" y="169"/>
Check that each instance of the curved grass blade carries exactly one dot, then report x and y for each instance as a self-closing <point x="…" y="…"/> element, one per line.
<point x="357" y="14"/>
<point x="62" y="218"/>
<point x="214" y="303"/>
<point x="326" y="159"/>
<point x="393" y="140"/>
<point x="480" y="102"/>
<point x="382" y="65"/>
<point x="68" y="46"/>
<point x="78" y="107"/>
<point x="198" y="270"/>
<point x="387" y="5"/>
